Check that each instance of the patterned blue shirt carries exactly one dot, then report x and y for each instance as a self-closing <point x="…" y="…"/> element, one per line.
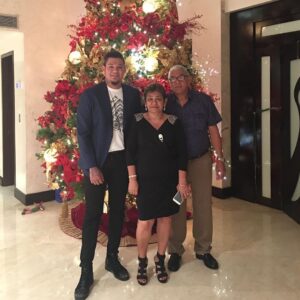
<point x="196" y="116"/>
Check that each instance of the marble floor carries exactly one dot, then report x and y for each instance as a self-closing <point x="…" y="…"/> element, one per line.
<point x="257" y="247"/>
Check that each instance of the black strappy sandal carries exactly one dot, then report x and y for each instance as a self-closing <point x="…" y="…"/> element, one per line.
<point x="142" y="277"/>
<point x="160" y="270"/>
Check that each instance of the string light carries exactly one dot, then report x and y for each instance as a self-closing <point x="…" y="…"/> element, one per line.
<point x="149" y="6"/>
<point x="178" y="2"/>
<point x="151" y="64"/>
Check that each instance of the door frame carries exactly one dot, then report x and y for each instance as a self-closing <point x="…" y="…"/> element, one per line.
<point x="8" y="125"/>
<point x="292" y="208"/>
<point x="245" y="90"/>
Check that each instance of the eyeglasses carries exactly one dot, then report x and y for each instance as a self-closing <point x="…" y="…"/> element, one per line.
<point x="178" y="78"/>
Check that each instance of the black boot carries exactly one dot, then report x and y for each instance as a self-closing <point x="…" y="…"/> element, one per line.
<point x="86" y="280"/>
<point x="112" y="264"/>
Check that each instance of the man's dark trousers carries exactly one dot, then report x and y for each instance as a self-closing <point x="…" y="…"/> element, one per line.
<point x="116" y="179"/>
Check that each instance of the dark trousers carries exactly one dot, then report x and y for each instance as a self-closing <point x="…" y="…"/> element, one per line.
<point x="116" y="179"/>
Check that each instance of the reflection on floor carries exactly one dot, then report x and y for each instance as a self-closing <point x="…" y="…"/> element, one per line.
<point x="257" y="247"/>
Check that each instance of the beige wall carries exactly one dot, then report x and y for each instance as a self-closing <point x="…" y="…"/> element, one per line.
<point x="206" y="44"/>
<point x="207" y="51"/>
<point x="44" y="27"/>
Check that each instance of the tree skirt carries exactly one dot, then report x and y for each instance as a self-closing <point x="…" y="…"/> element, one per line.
<point x="71" y="222"/>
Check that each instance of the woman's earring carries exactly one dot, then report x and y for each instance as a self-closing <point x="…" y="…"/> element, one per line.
<point x="146" y="108"/>
<point x="164" y="109"/>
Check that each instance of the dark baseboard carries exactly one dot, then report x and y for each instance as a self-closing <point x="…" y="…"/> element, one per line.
<point x="36" y="197"/>
<point x="221" y="193"/>
<point x="293" y="210"/>
<point x="5" y="182"/>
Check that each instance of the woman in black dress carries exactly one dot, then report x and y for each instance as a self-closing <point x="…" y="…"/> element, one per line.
<point x="156" y="159"/>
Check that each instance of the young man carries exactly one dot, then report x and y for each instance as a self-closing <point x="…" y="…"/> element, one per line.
<point x="199" y="117"/>
<point x="103" y="115"/>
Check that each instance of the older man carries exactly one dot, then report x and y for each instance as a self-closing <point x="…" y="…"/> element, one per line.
<point x="199" y="116"/>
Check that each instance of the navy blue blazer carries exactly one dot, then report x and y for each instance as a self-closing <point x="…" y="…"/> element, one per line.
<point x="95" y="124"/>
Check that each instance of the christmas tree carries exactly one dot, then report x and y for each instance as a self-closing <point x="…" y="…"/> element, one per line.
<point x="147" y="33"/>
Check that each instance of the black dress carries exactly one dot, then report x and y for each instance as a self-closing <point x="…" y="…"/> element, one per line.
<point x="158" y="154"/>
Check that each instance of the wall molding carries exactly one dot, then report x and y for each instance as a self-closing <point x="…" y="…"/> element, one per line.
<point x="29" y="199"/>
<point x="221" y="193"/>
<point x="236" y="5"/>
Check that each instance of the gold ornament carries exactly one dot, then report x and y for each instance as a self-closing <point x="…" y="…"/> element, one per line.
<point x="75" y="57"/>
<point x="50" y="155"/>
<point x="179" y="55"/>
<point x="60" y="146"/>
<point x="130" y="64"/>
<point x="74" y="135"/>
<point x="125" y="4"/>
<point x="54" y="186"/>
<point x="82" y="42"/>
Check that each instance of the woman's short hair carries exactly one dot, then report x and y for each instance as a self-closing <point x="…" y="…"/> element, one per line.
<point x="155" y="87"/>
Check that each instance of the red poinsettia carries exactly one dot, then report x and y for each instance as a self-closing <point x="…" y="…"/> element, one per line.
<point x="138" y="40"/>
<point x="142" y="83"/>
